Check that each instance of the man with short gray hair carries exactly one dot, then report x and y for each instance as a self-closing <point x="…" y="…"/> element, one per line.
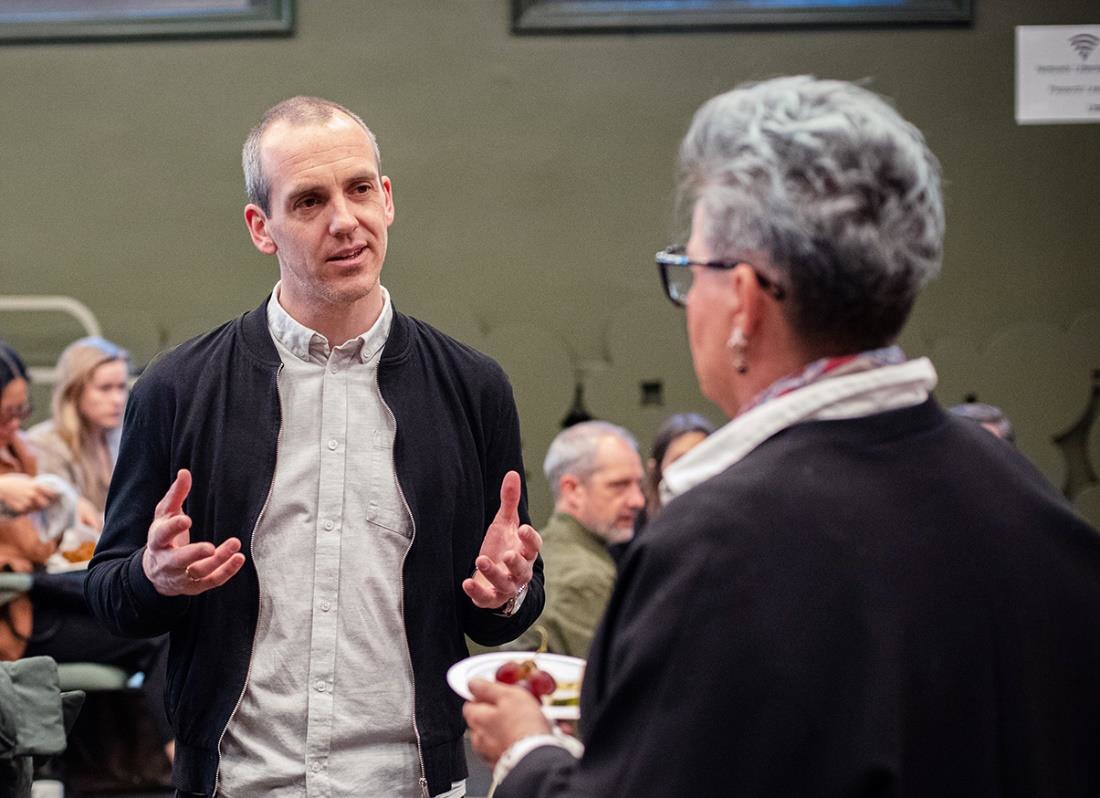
<point x="595" y="476"/>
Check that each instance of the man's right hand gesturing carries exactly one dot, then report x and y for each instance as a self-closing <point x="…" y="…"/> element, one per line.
<point x="175" y="565"/>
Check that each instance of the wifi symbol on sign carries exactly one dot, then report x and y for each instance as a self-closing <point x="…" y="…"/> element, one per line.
<point x="1084" y="44"/>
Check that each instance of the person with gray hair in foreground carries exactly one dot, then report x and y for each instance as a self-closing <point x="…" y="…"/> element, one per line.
<point x="850" y="592"/>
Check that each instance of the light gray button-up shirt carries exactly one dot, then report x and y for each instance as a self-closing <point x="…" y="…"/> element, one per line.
<point x="328" y="706"/>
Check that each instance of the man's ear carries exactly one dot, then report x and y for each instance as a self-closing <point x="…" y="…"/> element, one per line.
<point x="387" y="193"/>
<point x="567" y="493"/>
<point x="256" y="220"/>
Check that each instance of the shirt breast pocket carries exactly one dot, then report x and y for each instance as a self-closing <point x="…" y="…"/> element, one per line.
<point x="384" y="506"/>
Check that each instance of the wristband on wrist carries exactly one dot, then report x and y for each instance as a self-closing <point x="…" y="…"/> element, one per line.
<point x="521" y="748"/>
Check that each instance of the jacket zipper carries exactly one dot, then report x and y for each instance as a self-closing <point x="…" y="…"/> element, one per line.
<point x="423" y="780"/>
<point x="259" y="593"/>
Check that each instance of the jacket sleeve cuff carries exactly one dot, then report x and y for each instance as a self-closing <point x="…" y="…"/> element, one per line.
<point x="145" y="597"/>
<point x="525" y="745"/>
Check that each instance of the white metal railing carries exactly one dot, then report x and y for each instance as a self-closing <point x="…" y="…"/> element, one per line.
<point x="63" y="304"/>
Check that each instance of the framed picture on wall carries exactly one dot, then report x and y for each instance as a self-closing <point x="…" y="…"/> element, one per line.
<point x="566" y="16"/>
<point x="53" y="20"/>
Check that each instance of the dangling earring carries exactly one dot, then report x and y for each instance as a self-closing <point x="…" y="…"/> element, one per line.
<point x="737" y="344"/>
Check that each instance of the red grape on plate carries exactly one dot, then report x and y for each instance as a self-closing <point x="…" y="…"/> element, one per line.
<point x="541" y="683"/>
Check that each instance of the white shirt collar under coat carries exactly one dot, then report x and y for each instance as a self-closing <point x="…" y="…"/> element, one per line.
<point x="312" y="347"/>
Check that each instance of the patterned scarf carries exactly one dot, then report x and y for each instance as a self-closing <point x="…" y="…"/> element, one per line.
<point x="828" y="367"/>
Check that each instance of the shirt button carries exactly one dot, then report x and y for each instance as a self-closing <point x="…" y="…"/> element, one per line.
<point x="325" y="606"/>
<point x="329" y="525"/>
<point x="320" y="686"/>
<point x="332" y="444"/>
<point x="315" y="767"/>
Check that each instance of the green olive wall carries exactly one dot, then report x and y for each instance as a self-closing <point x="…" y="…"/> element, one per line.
<point x="533" y="182"/>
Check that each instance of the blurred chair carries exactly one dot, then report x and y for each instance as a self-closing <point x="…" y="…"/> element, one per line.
<point x="70" y="678"/>
<point x="35" y="717"/>
<point x="87" y="676"/>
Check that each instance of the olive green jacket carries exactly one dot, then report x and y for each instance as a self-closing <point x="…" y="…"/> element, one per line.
<point x="579" y="575"/>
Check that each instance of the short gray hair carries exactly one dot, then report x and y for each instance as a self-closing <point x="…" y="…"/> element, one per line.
<point x="295" y="111"/>
<point x="574" y="450"/>
<point x="834" y="186"/>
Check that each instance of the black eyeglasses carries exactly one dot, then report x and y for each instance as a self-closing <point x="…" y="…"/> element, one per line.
<point x="21" y="412"/>
<point x="676" y="274"/>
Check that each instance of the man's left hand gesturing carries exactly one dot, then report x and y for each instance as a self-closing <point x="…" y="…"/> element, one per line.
<point x="507" y="554"/>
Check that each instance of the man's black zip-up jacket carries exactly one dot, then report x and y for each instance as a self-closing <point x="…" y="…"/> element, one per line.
<point x="211" y="405"/>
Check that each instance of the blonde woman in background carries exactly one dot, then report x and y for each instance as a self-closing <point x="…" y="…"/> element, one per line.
<point x="79" y="443"/>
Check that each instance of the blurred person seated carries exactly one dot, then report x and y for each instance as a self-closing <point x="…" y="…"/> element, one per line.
<point x="595" y="476"/>
<point x="678" y="435"/>
<point x="992" y="419"/>
<point x="79" y="442"/>
<point x="851" y="591"/>
<point x="53" y="619"/>
<point x="22" y="549"/>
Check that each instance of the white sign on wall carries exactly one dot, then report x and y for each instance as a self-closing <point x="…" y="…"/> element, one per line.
<point x="1057" y="73"/>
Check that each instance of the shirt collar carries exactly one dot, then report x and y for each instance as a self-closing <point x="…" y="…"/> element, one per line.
<point x="312" y="347"/>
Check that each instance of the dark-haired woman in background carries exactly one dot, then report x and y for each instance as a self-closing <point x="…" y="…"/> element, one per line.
<point x="21" y="548"/>
<point x="53" y="619"/>
<point x="678" y="435"/>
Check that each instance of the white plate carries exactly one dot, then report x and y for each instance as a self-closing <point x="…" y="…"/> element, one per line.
<point x="484" y="666"/>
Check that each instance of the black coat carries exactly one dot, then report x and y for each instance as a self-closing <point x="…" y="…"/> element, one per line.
<point x="211" y="405"/>
<point x="897" y="605"/>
